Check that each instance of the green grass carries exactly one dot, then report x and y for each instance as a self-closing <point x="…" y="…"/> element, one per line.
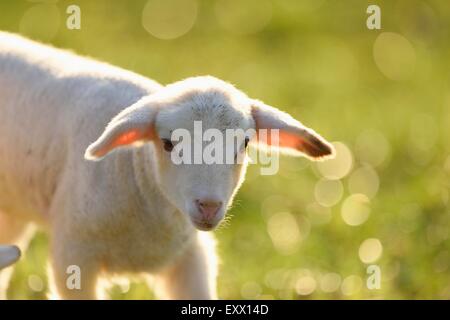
<point x="316" y="60"/>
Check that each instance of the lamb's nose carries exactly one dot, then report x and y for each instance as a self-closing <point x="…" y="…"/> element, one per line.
<point x="208" y="208"/>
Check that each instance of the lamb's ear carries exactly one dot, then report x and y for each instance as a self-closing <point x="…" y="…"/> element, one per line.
<point x="132" y="126"/>
<point x="294" y="138"/>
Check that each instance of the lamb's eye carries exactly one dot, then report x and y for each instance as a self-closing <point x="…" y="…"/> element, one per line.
<point x="168" y="145"/>
<point x="246" y="142"/>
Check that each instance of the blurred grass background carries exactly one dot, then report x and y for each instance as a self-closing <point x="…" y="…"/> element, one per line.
<point x="383" y="96"/>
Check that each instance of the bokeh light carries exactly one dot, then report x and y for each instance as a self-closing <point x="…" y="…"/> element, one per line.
<point x="328" y="192"/>
<point x="169" y="19"/>
<point x="338" y="167"/>
<point x="35" y="283"/>
<point x="394" y="56"/>
<point x="305" y="285"/>
<point x="370" y="250"/>
<point x="355" y="209"/>
<point x="276" y="278"/>
<point x="351" y="285"/>
<point x="284" y="232"/>
<point x="330" y="282"/>
<point x="364" y="180"/>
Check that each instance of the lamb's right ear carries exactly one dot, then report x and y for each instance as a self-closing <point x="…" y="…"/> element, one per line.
<point x="8" y="255"/>
<point x="293" y="137"/>
<point x="133" y="125"/>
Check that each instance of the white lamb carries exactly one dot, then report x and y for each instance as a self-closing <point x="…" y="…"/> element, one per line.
<point x="133" y="210"/>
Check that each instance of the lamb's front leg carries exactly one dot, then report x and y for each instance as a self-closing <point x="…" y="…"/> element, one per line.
<point x="74" y="271"/>
<point x="193" y="275"/>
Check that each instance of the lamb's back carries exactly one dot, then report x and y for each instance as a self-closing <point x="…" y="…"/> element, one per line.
<point x="53" y="103"/>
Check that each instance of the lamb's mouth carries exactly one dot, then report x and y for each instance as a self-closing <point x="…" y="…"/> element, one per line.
<point x="204" y="225"/>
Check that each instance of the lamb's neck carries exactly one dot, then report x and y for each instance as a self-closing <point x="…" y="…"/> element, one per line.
<point x="144" y="167"/>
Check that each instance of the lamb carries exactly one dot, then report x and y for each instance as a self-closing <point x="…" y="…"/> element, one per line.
<point x="85" y="153"/>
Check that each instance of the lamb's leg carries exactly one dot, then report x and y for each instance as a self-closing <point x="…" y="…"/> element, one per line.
<point x="74" y="271"/>
<point x="12" y="231"/>
<point x="193" y="275"/>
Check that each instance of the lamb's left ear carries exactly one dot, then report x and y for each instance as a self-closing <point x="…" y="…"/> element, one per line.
<point x="132" y="126"/>
<point x="293" y="137"/>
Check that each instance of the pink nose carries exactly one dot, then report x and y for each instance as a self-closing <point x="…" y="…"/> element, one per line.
<point x="208" y="208"/>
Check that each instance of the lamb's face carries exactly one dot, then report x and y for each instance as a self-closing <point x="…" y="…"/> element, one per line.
<point x="200" y="128"/>
<point x="200" y="148"/>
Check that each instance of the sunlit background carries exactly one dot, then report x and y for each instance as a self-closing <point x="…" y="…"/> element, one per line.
<point x="382" y="96"/>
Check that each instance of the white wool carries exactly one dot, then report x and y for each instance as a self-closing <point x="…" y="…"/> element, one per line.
<point x="132" y="210"/>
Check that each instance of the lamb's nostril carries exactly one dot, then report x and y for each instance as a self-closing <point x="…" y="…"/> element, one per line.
<point x="208" y="208"/>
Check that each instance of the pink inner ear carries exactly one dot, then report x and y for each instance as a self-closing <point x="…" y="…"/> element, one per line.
<point x="309" y="144"/>
<point x="126" y="138"/>
<point x="285" y="139"/>
<point x="288" y="140"/>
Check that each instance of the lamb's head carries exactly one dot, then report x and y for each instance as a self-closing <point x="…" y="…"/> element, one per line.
<point x="200" y="128"/>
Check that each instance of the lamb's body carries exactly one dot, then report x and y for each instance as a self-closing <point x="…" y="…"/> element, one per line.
<point x="53" y="104"/>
